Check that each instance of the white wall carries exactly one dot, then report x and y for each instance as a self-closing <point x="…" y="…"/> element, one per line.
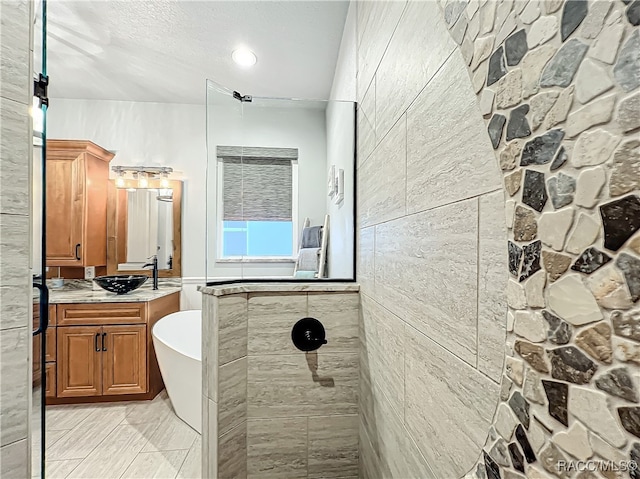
<point x="266" y="126"/>
<point x="340" y="118"/>
<point x="150" y="134"/>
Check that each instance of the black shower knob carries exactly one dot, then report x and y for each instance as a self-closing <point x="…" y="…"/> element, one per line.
<point x="308" y="334"/>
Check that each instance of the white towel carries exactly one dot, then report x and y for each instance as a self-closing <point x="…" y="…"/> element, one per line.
<point x="308" y="259"/>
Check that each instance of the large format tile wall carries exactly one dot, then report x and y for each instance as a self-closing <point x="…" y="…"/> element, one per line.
<point x="273" y="411"/>
<point x="432" y="259"/>
<point x="557" y="83"/>
<point x="15" y="287"/>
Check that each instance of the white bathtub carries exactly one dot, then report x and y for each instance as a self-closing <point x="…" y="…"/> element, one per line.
<point x="177" y="340"/>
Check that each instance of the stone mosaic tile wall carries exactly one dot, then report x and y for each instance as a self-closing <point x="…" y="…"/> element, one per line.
<point x="558" y="83"/>
<point x="15" y="275"/>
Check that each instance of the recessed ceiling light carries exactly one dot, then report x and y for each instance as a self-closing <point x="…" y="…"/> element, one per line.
<point x="244" y="57"/>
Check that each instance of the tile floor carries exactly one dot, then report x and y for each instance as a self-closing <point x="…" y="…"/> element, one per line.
<point x="121" y="440"/>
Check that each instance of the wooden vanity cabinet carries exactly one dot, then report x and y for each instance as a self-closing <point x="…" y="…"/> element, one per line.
<point x="77" y="183"/>
<point x="105" y="350"/>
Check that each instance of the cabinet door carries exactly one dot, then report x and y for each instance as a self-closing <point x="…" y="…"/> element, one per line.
<point x="124" y="359"/>
<point x="79" y="371"/>
<point x="65" y="211"/>
<point x="51" y="380"/>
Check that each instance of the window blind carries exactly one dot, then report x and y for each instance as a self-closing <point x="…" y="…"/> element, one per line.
<point x="257" y="183"/>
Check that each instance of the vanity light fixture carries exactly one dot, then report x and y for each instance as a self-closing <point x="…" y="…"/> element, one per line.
<point x="142" y="176"/>
<point x="244" y="57"/>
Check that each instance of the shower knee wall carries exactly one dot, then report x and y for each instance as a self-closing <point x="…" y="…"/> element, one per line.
<point x="270" y="409"/>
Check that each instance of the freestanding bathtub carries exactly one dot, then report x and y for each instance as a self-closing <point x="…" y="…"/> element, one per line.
<point x="177" y="340"/>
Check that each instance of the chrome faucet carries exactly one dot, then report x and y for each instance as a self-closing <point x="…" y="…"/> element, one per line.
<point x="154" y="263"/>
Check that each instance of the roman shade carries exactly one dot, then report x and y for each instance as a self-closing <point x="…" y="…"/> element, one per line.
<point x="257" y="183"/>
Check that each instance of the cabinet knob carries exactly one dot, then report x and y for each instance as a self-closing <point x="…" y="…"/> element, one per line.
<point x="96" y="342"/>
<point x="104" y="347"/>
<point x="77" y="252"/>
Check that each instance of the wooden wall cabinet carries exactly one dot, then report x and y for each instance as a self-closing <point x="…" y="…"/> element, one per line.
<point x="77" y="183"/>
<point x="104" y="351"/>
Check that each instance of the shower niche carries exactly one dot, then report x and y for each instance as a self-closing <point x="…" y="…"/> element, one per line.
<point x="280" y="188"/>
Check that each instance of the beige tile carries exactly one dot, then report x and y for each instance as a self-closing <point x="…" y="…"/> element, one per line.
<point x="112" y="456"/>
<point x="426" y="273"/>
<point x="382" y="353"/>
<point x="376" y="23"/>
<point x="438" y="386"/>
<point x="271" y="318"/>
<point x="14" y="390"/>
<point x="386" y="434"/>
<point x="15" y="144"/>
<point x="209" y="346"/>
<point x="192" y="465"/>
<point x="338" y="313"/>
<point x="14" y="51"/>
<point x="60" y="469"/>
<point x="209" y="438"/>
<point x="382" y="179"/>
<point x="492" y="284"/>
<point x="14" y="460"/>
<point x="156" y="465"/>
<point x="146" y="412"/>
<point x="419" y="46"/>
<point x="14" y="258"/>
<point x="368" y="464"/>
<point x="15" y="305"/>
<point x="51" y="437"/>
<point x="366" y="124"/>
<point x="277" y="448"/>
<point x="232" y="395"/>
<point x="449" y="156"/>
<point x="333" y="446"/>
<point x="232" y="327"/>
<point x="302" y="384"/>
<point x="171" y="434"/>
<point x="366" y="263"/>
<point x="67" y="417"/>
<point x="415" y="461"/>
<point x="84" y="438"/>
<point x="232" y="454"/>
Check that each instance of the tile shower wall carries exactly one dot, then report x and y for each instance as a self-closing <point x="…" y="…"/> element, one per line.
<point x="432" y="260"/>
<point x="15" y="287"/>
<point x="279" y="412"/>
<point x="557" y="83"/>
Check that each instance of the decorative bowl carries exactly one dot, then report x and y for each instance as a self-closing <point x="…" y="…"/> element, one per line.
<point x="121" y="284"/>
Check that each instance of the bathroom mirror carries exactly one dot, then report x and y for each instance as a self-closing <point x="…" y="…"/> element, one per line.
<point x="142" y="222"/>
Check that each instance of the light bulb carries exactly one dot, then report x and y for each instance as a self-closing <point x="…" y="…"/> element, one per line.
<point x="120" y="180"/>
<point x="143" y="182"/>
<point x="164" y="181"/>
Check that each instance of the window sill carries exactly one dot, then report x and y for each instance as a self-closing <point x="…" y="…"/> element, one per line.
<point x="257" y="260"/>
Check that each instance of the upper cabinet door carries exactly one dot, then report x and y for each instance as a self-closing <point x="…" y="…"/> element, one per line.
<point x="77" y="181"/>
<point x="65" y="207"/>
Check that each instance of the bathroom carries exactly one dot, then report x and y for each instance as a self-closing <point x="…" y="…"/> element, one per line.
<point x="477" y="186"/>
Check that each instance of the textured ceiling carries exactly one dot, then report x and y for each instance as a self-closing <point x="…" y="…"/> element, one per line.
<point x="165" y="50"/>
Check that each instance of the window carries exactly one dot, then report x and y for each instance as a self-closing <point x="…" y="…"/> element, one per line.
<point x="257" y="202"/>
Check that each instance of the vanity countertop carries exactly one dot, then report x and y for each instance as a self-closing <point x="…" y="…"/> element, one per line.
<point x="279" y="287"/>
<point x="141" y="295"/>
<point x="79" y="291"/>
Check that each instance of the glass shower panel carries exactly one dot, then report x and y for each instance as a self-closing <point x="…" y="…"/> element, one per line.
<point x="37" y="430"/>
<point x="274" y="167"/>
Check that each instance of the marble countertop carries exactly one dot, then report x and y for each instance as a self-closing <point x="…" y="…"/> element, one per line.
<point x="81" y="291"/>
<point x="284" y="287"/>
<point x="141" y="295"/>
